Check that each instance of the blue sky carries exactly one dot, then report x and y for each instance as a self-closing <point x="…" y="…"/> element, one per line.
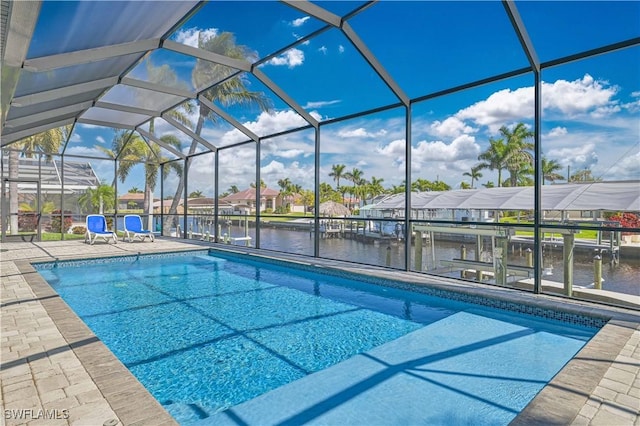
<point x="591" y="108"/>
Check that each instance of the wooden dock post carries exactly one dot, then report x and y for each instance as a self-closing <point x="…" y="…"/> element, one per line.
<point x="418" y="251"/>
<point x="597" y="272"/>
<point x="501" y="251"/>
<point x="463" y="256"/>
<point x="478" y="253"/>
<point x="246" y="230"/>
<point x="567" y="262"/>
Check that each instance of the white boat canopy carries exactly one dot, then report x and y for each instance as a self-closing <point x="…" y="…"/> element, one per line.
<point x="611" y="196"/>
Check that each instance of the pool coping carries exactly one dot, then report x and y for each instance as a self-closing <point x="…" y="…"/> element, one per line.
<point x="558" y="403"/>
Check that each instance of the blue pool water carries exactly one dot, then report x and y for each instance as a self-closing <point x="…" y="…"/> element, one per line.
<point x="204" y="333"/>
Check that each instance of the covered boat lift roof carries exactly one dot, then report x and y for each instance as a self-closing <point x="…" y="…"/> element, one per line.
<point x="612" y="196"/>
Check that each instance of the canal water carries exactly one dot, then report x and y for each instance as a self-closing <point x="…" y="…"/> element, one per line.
<point x="621" y="278"/>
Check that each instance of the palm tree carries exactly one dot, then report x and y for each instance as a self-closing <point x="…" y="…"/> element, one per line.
<point x="134" y="150"/>
<point x="465" y="185"/>
<point x="510" y="152"/>
<point x="584" y="175"/>
<point x="375" y="187"/>
<point x="518" y="142"/>
<point x="337" y="172"/>
<point x="231" y="91"/>
<point x="308" y="198"/>
<point x="285" y="191"/>
<point x="523" y="175"/>
<point x="102" y="198"/>
<point x="421" y="185"/>
<point x="397" y="189"/>
<point x="196" y="194"/>
<point x="284" y="184"/>
<point x="233" y="189"/>
<point x="495" y="157"/>
<point x="134" y="190"/>
<point x="45" y="143"/>
<point x="550" y="169"/>
<point x="328" y="193"/>
<point x="474" y="174"/>
<point x="262" y="184"/>
<point x="355" y="176"/>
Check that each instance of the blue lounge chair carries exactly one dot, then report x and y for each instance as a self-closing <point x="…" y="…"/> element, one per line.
<point x="97" y="227"/>
<point x="133" y="228"/>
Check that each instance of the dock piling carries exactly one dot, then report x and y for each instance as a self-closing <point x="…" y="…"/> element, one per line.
<point x="463" y="256"/>
<point x="597" y="272"/>
<point x="418" y="251"/>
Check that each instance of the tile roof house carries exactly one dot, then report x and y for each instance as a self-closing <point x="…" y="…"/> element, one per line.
<point x="268" y="198"/>
<point x="131" y="201"/>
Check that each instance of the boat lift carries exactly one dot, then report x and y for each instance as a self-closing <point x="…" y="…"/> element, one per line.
<point x="500" y="237"/>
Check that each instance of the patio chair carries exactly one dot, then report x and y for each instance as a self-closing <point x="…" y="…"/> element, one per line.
<point x="97" y="228"/>
<point x="133" y="228"/>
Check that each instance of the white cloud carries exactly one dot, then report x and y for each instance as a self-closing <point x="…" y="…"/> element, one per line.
<point x="323" y="49"/>
<point x="501" y="107"/>
<point x="361" y="132"/>
<point x="632" y="107"/>
<point x="582" y="97"/>
<point x="266" y="124"/>
<point x="451" y="127"/>
<point x="291" y="153"/>
<point x="462" y="148"/>
<point x="340" y="48"/>
<point x="580" y="157"/>
<point x="395" y="148"/>
<point x="300" y="21"/>
<point x="291" y="58"/>
<point x="88" y="126"/>
<point x="276" y="150"/>
<point x="627" y="168"/>
<point x="299" y="174"/>
<point x="75" y="137"/>
<point x="557" y="132"/>
<point x="395" y="151"/>
<point x="320" y="104"/>
<point x="85" y="151"/>
<point x="191" y="36"/>
<point x="273" y="168"/>
<point x="100" y="139"/>
<point x="579" y="96"/>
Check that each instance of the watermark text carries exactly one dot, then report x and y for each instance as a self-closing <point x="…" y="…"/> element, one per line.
<point x="36" y="414"/>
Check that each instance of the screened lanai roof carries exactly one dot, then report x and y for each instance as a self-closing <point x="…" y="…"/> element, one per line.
<point x="611" y="196"/>
<point x="77" y="176"/>
<point x="126" y="65"/>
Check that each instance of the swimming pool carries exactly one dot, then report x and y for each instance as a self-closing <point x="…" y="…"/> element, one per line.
<point x="204" y="333"/>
